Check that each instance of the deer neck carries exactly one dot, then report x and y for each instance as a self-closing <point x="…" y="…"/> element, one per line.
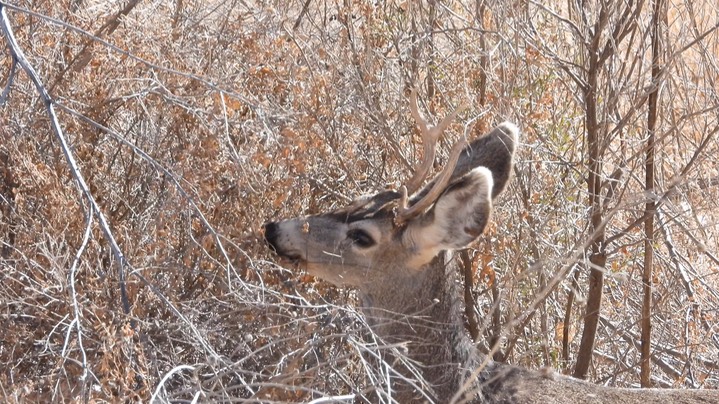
<point x="423" y="312"/>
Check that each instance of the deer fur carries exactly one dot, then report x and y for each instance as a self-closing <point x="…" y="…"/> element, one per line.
<point x="408" y="286"/>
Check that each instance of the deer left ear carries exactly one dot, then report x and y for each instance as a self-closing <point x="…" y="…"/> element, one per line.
<point x="458" y="217"/>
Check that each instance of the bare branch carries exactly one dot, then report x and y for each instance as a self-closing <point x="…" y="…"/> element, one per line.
<point x="69" y="156"/>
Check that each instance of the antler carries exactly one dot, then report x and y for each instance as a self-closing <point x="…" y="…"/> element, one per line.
<point x="430" y="136"/>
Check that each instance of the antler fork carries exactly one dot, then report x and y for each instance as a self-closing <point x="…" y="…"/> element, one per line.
<point x="430" y="136"/>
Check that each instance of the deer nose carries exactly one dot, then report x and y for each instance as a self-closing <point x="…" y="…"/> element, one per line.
<point x="271" y="234"/>
<point x="277" y="240"/>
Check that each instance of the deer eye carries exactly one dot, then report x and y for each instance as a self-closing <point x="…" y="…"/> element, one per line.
<point x="360" y="238"/>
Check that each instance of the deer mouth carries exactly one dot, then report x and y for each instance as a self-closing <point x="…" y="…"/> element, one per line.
<point x="289" y="260"/>
<point x="292" y="258"/>
<point x="287" y="256"/>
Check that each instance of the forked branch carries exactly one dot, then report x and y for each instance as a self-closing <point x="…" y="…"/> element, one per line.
<point x="430" y="136"/>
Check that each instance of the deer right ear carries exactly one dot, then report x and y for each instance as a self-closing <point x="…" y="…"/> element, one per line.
<point x="457" y="218"/>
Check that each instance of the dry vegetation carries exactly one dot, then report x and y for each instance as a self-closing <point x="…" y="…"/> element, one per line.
<point x="193" y="122"/>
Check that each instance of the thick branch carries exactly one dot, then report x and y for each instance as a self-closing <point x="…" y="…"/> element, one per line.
<point x="69" y="157"/>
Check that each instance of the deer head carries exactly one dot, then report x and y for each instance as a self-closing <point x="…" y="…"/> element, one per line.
<point x="388" y="237"/>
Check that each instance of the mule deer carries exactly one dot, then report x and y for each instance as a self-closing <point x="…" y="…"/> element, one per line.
<point x="395" y="250"/>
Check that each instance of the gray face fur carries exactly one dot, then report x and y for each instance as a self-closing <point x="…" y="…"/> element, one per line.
<point x="361" y="246"/>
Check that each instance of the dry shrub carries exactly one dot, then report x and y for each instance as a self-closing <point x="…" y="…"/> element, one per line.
<point x="194" y="122"/>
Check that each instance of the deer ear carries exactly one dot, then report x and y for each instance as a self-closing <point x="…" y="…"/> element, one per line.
<point x="457" y="218"/>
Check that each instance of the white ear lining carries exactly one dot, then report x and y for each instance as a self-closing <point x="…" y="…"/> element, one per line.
<point x="458" y="217"/>
<point x="463" y="211"/>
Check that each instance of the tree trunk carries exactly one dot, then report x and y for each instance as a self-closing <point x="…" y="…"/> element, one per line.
<point x="597" y="257"/>
<point x="646" y="321"/>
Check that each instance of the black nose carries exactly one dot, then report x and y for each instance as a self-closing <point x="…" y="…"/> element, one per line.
<point x="271" y="233"/>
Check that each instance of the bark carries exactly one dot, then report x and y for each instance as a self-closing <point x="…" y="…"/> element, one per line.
<point x="568" y="316"/>
<point x="597" y="258"/>
<point x="650" y="209"/>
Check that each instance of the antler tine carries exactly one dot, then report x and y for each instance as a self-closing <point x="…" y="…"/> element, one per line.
<point x="430" y="136"/>
<point x="405" y="213"/>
